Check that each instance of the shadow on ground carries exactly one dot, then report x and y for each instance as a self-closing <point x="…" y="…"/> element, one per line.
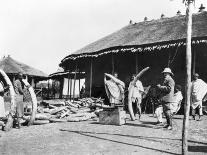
<point x="94" y="135"/>
<point x="197" y="149"/>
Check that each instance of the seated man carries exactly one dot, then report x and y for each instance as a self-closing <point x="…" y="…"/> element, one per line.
<point x="114" y="89"/>
<point x="174" y="106"/>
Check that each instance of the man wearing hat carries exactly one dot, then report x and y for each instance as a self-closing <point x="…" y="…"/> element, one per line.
<point x="167" y="95"/>
<point x="19" y="98"/>
<point x="198" y="91"/>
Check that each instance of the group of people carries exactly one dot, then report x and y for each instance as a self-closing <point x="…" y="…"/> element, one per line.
<point x="19" y="107"/>
<point x="170" y="95"/>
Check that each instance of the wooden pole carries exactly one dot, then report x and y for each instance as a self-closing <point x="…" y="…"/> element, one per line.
<point x="79" y="84"/>
<point x="48" y="92"/>
<point x="74" y="82"/>
<point x="194" y="60"/>
<point x="136" y="63"/>
<point x="188" y="79"/>
<point x="112" y="63"/>
<point x="68" y="85"/>
<point x="91" y="76"/>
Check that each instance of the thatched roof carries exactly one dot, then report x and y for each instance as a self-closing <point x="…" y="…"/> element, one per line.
<point x="11" y="66"/>
<point x="62" y="74"/>
<point x="147" y="35"/>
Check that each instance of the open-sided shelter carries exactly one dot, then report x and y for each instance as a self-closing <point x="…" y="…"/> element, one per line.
<point x="156" y="43"/>
<point x="70" y="83"/>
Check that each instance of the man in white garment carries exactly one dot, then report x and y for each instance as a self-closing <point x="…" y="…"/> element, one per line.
<point x="137" y="95"/>
<point x="198" y="91"/>
<point x="114" y="89"/>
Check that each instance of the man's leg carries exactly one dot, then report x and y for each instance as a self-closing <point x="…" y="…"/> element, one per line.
<point x="168" y="116"/>
<point x="169" y="119"/>
<point x="139" y="110"/>
<point x="158" y="112"/>
<point x="193" y="113"/>
<point x="200" y="112"/>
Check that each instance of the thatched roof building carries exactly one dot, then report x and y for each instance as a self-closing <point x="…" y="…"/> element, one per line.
<point x="156" y="43"/>
<point x="13" y="67"/>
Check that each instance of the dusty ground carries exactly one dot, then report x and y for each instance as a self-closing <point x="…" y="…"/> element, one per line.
<point x="92" y="138"/>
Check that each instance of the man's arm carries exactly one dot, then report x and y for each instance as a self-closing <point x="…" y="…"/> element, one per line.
<point x="166" y="88"/>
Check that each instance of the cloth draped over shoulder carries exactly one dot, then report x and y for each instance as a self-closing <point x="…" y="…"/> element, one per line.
<point x="198" y="91"/>
<point x="137" y="90"/>
<point x="175" y="106"/>
<point x="114" y="89"/>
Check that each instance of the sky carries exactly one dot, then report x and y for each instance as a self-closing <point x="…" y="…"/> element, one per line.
<point x="40" y="33"/>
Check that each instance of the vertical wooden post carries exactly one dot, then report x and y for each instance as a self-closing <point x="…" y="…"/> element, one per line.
<point x="112" y="63"/>
<point x="188" y="79"/>
<point x="48" y="92"/>
<point x="194" y="60"/>
<point x="91" y="76"/>
<point x="68" y="85"/>
<point x="74" y="82"/>
<point x="136" y="63"/>
<point x="32" y="83"/>
<point x="13" y="79"/>
<point x="79" y="84"/>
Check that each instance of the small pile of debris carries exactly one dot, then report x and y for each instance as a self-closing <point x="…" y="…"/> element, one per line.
<point x="51" y="111"/>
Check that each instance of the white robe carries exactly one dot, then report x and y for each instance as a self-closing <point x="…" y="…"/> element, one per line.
<point x="175" y="106"/>
<point x="198" y="91"/>
<point x="137" y="91"/>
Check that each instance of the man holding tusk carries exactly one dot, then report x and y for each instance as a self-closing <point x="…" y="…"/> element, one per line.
<point x="136" y="97"/>
<point x="114" y="89"/>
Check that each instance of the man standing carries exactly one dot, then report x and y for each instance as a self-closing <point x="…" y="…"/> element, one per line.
<point x="136" y="97"/>
<point x="19" y="98"/>
<point x="114" y="89"/>
<point x="198" y="91"/>
<point x="167" y="95"/>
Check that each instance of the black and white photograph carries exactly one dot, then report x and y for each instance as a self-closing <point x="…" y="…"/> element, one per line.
<point x="103" y="77"/>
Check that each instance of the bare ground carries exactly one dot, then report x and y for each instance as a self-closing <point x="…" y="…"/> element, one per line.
<point x="138" y="137"/>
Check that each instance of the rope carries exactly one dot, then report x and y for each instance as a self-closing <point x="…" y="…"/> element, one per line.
<point x="176" y="52"/>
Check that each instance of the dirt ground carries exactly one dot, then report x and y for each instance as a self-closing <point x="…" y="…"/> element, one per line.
<point x="90" y="138"/>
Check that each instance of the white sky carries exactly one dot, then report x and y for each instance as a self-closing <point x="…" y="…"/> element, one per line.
<point x="41" y="33"/>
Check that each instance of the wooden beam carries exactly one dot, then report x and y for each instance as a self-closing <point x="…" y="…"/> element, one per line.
<point x="112" y="63"/>
<point x="194" y="60"/>
<point x="70" y="88"/>
<point x="74" y="82"/>
<point x="188" y="79"/>
<point x="79" y="85"/>
<point x="136" y="63"/>
<point x="91" y="76"/>
<point x="68" y="85"/>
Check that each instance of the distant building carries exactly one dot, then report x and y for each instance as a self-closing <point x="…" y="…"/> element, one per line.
<point x="12" y="67"/>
